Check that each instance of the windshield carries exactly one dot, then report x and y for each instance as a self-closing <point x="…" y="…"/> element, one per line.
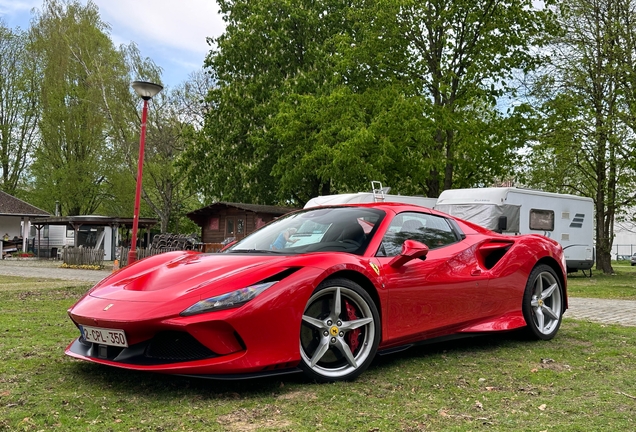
<point x="326" y="229"/>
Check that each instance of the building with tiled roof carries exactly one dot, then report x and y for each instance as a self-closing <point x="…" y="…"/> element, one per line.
<point x="12" y="206"/>
<point x="14" y="222"/>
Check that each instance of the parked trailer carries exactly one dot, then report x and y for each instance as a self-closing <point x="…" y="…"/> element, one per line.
<point x="568" y="219"/>
<point x="379" y="194"/>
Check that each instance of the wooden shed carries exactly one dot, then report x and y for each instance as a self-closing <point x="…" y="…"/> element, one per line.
<point x="222" y="222"/>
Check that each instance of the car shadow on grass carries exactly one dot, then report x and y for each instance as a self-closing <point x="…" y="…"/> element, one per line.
<point x="472" y="345"/>
<point x="136" y="383"/>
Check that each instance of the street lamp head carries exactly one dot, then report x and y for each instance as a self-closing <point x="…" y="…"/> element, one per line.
<point x="146" y="89"/>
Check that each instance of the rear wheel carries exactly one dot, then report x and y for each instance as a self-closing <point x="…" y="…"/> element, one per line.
<point x="543" y="303"/>
<point x="340" y="331"/>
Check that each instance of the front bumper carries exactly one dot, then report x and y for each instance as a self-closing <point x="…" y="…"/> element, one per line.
<point x="260" y="337"/>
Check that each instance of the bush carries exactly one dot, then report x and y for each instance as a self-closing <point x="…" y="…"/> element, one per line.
<point x="22" y="255"/>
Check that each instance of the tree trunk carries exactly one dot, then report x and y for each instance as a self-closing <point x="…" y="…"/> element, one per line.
<point x="603" y="240"/>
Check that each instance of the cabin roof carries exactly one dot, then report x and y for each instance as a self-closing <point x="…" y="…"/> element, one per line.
<point x="12" y="206"/>
<point x="200" y="215"/>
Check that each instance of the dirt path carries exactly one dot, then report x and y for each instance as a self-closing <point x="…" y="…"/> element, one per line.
<point x="49" y="270"/>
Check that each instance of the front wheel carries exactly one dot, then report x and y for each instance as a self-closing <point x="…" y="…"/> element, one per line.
<point x="340" y="331"/>
<point x="543" y="303"/>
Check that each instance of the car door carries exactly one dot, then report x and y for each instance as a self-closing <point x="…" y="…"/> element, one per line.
<point x="431" y="297"/>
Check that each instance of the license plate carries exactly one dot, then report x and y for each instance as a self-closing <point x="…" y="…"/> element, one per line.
<point x="103" y="336"/>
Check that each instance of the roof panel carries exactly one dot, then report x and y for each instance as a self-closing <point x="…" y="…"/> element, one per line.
<point x="12" y="206"/>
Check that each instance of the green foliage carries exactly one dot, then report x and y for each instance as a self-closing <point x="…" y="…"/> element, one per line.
<point x="461" y="56"/>
<point x="70" y="122"/>
<point x="81" y="69"/>
<point x="19" y="107"/>
<point x="166" y="190"/>
<point x="267" y="45"/>
<point x="584" y="105"/>
<point x="87" y="159"/>
<point x="322" y="97"/>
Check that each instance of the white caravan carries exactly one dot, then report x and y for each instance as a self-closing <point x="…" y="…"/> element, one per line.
<point x="379" y="194"/>
<point x="568" y="219"/>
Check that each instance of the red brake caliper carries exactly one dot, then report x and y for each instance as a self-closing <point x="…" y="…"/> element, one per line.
<point x="354" y="335"/>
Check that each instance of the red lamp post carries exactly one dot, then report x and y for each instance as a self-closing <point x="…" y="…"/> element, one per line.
<point x="146" y="90"/>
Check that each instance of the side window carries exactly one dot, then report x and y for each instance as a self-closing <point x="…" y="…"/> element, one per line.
<point x="433" y="231"/>
<point x="541" y="220"/>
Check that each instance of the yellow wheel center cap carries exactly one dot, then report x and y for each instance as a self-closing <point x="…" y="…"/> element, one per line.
<point x="334" y="331"/>
<point x="540" y="302"/>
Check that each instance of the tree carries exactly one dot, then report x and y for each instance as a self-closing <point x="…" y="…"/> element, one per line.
<point x="80" y="73"/>
<point x="317" y="97"/>
<point x="171" y="125"/>
<point x="123" y="112"/>
<point x="174" y="116"/>
<point x="19" y="106"/>
<point x="457" y="59"/>
<point x="586" y="145"/>
<point x="267" y="43"/>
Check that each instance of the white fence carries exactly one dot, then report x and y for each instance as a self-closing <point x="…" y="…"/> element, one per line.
<point x="623" y="251"/>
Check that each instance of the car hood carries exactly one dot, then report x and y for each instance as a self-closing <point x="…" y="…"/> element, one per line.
<point x="178" y="275"/>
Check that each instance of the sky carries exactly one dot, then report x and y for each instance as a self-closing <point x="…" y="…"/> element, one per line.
<point x="171" y="32"/>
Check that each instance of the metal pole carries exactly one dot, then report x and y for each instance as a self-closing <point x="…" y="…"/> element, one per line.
<point x="132" y="254"/>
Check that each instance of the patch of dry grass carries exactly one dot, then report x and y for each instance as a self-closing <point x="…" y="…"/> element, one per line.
<point x="17" y="283"/>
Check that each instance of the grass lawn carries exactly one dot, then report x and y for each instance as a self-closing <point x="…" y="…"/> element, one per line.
<point x="583" y="380"/>
<point x="621" y="285"/>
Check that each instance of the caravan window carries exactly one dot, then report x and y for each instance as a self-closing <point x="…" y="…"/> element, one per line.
<point x="541" y="220"/>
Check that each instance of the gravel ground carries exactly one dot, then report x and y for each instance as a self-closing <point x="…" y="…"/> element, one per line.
<point x="605" y="311"/>
<point x="49" y="269"/>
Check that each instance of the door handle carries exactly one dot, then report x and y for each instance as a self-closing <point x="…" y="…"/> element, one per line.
<point x="475" y="272"/>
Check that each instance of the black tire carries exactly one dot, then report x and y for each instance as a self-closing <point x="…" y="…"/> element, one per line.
<point x="340" y="332"/>
<point x="543" y="303"/>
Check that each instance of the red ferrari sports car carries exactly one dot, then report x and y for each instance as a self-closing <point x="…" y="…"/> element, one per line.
<point x="321" y="290"/>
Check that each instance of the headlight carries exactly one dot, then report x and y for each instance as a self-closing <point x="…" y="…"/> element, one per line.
<point x="227" y="301"/>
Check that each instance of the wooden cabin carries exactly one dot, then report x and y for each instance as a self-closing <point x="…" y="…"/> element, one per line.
<point x="223" y="222"/>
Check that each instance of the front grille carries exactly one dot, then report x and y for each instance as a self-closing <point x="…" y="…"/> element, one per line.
<point x="176" y="346"/>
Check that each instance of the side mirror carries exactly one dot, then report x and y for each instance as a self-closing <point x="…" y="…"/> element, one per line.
<point x="411" y="250"/>
<point x="502" y="224"/>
